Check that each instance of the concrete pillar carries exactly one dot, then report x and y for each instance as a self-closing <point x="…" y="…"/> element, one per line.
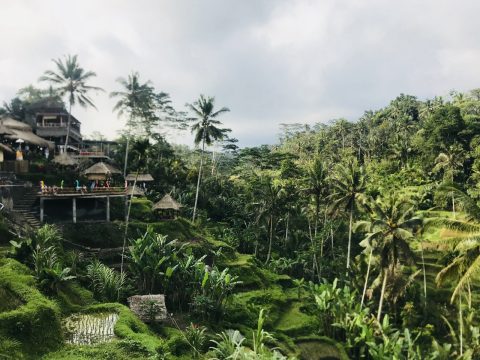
<point x="74" y="210"/>
<point x="42" y="201"/>
<point x="108" y="208"/>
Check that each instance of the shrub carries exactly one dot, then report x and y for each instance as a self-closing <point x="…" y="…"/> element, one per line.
<point x="106" y="283"/>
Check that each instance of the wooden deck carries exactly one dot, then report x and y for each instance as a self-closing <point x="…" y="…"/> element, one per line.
<point x="56" y="193"/>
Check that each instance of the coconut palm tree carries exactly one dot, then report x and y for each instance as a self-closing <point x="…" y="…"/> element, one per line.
<point x="136" y="100"/>
<point x="348" y="192"/>
<point x="391" y="227"/>
<point x="206" y="131"/>
<point x="451" y="163"/>
<point x="269" y="197"/>
<point x="464" y="268"/>
<point x="70" y="80"/>
<point x="317" y="185"/>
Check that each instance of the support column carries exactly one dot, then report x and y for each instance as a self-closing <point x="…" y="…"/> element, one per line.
<point x="108" y="208"/>
<point x="42" y="200"/>
<point x="74" y="210"/>
<point x="126" y="207"/>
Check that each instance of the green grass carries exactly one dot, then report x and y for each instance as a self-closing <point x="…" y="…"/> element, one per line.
<point x="294" y="322"/>
<point x="35" y="322"/>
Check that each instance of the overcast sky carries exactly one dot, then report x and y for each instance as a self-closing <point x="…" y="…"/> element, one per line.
<point x="270" y="62"/>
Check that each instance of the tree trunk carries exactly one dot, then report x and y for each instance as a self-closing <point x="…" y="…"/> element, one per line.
<point x="453" y="200"/>
<point x="199" y="176"/>
<point x="126" y="156"/>
<point x="460" y="320"/>
<point x="68" y="126"/>
<point x="366" y="277"/>
<point x="350" y="236"/>
<point x="126" y="227"/>
<point x="270" y="241"/>
<point x="382" y="295"/>
<point x="286" y="229"/>
<point x="424" y="276"/>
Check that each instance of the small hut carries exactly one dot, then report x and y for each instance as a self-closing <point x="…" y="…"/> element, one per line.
<point x="140" y="178"/>
<point x="101" y="171"/>
<point x="141" y="184"/>
<point x="134" y="191"/>
<point x="65" y="160"/>
<point x="15" y="130"/>
<point x="167" y="207"/>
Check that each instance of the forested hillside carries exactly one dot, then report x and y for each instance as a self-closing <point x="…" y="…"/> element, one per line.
<point x="343" y="240"/>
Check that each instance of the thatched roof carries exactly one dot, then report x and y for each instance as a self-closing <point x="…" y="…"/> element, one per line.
<point x="29" y="137"/>
<point x="5" y="130"/>
<point x="137" y="191"/>
<point x="5" y="147"/>
<point x="167" y="202"/>
<point x="65" y="160"/>
<point x="140" y="178"/>
<point x="102" y="168"/>
<point x="11" y="123"/>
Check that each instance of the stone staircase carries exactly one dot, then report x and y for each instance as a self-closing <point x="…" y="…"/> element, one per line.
<point x="25" y="207"/>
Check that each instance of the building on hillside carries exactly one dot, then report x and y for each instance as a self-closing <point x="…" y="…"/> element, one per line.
<point x="49" y="120"/>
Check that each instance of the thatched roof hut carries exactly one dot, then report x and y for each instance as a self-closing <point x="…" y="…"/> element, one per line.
<point x="134" y="191"/>
<point x="6" y="148"/>
<point x="13" y="130"/>
<point x="101" y="171"/>
<point x="65" y="160"/>
<point x="140" y="177"/>
<point x="167" y="203"/>
<point x="11" y="123"/>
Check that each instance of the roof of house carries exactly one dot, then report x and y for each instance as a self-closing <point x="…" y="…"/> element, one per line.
<point x="29" y="137"/>
<point x="11" y="123"/>
<point x="167" y="202"/>
<point x="139" y="177"/>
<point x="5" y="147"/>
<point x="102" y="168"/>
<point x="65" y="159"/>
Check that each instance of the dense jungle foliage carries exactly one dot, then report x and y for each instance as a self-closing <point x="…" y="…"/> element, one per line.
<point x="343" y="240"/>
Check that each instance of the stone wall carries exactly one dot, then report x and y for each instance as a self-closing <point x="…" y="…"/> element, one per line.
<point x="148" y="308"/>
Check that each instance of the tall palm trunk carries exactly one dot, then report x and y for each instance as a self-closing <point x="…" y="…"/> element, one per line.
<point x="366" y="277"/>
<point x="199" y="176"/>
<point x="126" y="156"/>
<point x="382" y="295"/>
<point x="460" y="320"/>
<point x="270" y="240"/>
<point x="350" y="225"/>
<point x="424" y="276"/>
<point x="68" y="126"/>
<point x="453" y="200"/>
<point x="127" y="220"/>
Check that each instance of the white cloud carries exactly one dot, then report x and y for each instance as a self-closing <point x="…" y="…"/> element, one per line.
<point x="270" y="61"/>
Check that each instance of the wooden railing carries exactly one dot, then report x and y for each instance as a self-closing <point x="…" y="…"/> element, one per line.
<point x="71" y="191"/>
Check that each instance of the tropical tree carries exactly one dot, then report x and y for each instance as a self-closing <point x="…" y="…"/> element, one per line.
<point x="349" y="183"/>
<point x="451" y="163"/>
<point x="392" y="226"/>
<point x="206" y="131"/>
<point x="268" y="194"/>
<point x="70" y="80"/>
<point x="137" y="101"/>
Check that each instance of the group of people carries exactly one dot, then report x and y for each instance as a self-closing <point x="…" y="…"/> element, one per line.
<point x="78" y="186"/>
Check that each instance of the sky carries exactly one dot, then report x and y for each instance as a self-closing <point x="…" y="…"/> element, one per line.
<point x="269" y="61"/>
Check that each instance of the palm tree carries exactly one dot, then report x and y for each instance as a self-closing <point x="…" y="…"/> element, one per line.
<point x="465" y="244"/>
<point x="317" y="185"/>
<point x="137" y="100"/>
<point x="451" y="163"/>
<point x="392" y="225"/>
<point x="206" y="131"/>
<point x="348" y="191"/>
<point x="269" y="196"/>
<point x="70" y="80"/>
